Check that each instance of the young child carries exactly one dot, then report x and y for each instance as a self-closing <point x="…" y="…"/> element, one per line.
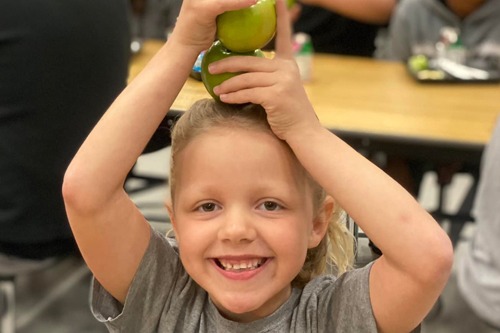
<point x="251" y="220"/>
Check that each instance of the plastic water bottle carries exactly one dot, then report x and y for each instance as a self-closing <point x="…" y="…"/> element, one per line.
<point x="196" y="70"/>
<point x="304" y="52"/>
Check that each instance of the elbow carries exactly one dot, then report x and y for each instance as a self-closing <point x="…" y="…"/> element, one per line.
<point x="383" y="14"/>
<point x="444" y="263"/>
<point x="77" y="193"/>
<point x="390" y="6"/>
<point x="438" y="262"/>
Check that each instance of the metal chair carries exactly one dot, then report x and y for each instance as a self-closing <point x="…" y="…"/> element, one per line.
<point x="10" y="268"/>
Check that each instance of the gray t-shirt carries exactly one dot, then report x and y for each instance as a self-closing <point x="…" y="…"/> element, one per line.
<point x="163" y="298"/>
<point x="478" y="265"/>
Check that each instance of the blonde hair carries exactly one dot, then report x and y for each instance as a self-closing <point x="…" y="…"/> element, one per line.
<point x="334" y="254"/>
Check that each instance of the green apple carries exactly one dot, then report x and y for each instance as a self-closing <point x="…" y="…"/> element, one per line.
<point x="248" y="29"/>
<point x="418" y="62"/>
<point x="218" y="52"/>
<point x="290" y="3"/>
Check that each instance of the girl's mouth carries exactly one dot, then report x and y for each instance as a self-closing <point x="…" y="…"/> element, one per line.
<point x="232" y="265"/>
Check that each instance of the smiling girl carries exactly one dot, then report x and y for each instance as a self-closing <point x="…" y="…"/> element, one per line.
<point x="255" y="194"/>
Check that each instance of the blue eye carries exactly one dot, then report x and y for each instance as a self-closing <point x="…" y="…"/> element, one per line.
<point x="271" y="206"/>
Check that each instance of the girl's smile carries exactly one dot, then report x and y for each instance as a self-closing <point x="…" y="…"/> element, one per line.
<point x="240" y="268"/>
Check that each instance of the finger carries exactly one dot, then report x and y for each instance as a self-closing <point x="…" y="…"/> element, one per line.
<point x="245" y="81"/>
<point x="283" y="31"/>
<point x="225" y="5"/>
<point x="252" y="95"/>
<point x="237" y="64"/>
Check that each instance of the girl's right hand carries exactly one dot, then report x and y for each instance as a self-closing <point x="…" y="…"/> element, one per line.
<point x="196" y="23"/>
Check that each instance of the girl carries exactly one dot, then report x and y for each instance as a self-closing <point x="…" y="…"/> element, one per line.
<point x="247" y="205"/>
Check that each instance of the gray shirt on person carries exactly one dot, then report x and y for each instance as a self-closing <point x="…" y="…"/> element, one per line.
<point x="163" y="298"/>
<point x="416" y="25"/>
<point x="478" y="272"/>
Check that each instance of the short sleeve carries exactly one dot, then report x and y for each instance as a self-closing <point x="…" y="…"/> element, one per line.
<point x="342" y="304"/>
<point x="149" y="293"/>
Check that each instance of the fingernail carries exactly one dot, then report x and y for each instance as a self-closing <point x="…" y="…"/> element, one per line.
<point x="211" y="68"/>
<point x="216" y="90"/>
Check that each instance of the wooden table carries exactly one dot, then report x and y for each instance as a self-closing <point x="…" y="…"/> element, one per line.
<point x="378" y="106"/>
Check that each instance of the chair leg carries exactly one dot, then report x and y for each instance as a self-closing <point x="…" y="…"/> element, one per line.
<point x="7" y="305"/>
<point x="464" y="214"/>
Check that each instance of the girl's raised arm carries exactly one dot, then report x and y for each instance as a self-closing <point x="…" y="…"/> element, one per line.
<point x="110" y="231"/>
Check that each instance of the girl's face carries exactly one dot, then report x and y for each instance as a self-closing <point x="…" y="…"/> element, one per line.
<point x="243" y="219"/>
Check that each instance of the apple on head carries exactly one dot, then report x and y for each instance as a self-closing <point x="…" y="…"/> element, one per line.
<point x="239" y="32"/>
<point x="247" y="29"/>
<point x="217" y="52"/>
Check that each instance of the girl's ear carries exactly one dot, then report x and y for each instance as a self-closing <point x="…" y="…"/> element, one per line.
<point x="321" y="222"/>
<point x="170" y="210"/>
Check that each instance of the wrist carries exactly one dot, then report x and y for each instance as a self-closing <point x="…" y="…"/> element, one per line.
<point x="181" y="44"/>
<point x="306" y="135"/>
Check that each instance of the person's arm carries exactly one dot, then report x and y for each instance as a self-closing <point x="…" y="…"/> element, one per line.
<point x="368" y="11"/>
<point x="406" y="281"/>
<point x="417" y="255"/>
<point x="110" y="231"/>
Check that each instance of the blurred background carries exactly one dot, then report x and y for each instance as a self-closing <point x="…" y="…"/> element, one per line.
<point x="458" y="42"/>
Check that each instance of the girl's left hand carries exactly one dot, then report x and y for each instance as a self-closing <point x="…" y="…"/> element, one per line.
<point x="273" y="83"/>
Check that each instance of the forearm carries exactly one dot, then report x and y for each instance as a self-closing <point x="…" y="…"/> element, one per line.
<point x="368" y="11"/>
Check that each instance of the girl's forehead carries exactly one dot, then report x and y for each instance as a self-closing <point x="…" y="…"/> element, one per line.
<point x="241" y="148"/>
<point x="229" y="134"/>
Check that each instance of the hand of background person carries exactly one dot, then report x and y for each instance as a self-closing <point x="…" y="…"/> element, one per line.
<point x="273" y="83"/>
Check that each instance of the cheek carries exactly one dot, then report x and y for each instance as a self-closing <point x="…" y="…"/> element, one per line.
<point x="191" y="252"/>
<point x="189" y="239"/>
<point x="292" y="239"/>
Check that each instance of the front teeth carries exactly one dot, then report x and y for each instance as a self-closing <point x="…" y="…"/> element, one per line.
<point x="243" y="265"/>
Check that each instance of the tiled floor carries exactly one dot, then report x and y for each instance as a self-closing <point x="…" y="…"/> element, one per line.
<point x="56" y="300"/>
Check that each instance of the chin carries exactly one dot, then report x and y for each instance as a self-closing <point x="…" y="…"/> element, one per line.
<point x="240" y="309"/>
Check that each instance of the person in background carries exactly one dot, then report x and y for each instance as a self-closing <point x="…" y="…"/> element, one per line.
<point x="254" y="187"/>
<point x="61" y="64"/>
<point x="478" y="272"/>
<point x="416" y="28"/>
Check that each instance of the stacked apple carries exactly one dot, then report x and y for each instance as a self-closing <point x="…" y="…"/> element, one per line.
<point x="239" y="32"/>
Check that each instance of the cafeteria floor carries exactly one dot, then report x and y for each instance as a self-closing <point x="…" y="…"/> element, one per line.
<point x="56" y="300"/>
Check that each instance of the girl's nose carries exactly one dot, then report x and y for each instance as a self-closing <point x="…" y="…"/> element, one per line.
<point x="237" y="226"/>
